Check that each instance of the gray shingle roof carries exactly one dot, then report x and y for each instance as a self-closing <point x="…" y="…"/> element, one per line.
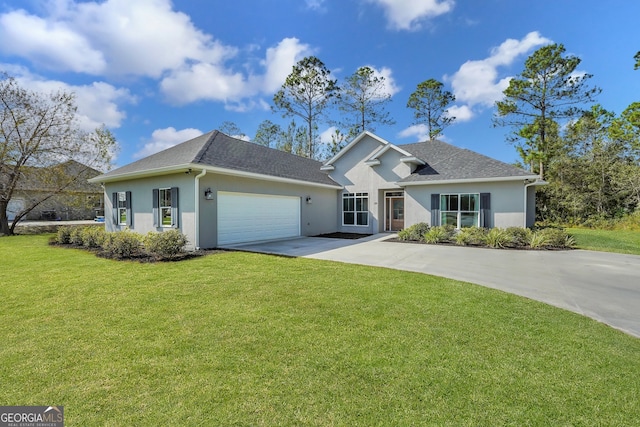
<point x="447" y="162"/>
<point x="216" y="149"/>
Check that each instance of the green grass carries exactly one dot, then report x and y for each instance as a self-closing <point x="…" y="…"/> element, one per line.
<point x="248" y="339"/>
<point x="620" y="241"/>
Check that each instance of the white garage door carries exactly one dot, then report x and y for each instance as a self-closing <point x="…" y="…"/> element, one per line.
<point x="244" y="217"/>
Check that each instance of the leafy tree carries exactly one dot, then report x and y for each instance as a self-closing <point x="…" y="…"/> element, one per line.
<point x="637" y="58"/>
<point x="548" y="90"/>
<point x="39" y="135"/>
<point x="231" y="129"/>
<point x="430" y="103"/>
<point x="338" y="141"/>
<point x="293" y="140"/>
<point x="595" y="174"/>
<point x="306" y="93"/>
<point x="362" y="99"/>
<point x="267" y="133"/>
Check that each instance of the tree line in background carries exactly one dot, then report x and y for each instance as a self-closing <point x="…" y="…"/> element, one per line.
<point x="309" y="94"/>
<point x="589" y="156"/>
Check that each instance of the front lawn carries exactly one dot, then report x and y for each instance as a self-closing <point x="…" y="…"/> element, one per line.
<point x="248" y="339"/>
<point x="620" y="241"/>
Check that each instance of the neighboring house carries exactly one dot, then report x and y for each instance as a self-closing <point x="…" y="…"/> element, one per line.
<point x="222" y="191"/>
<point x="78" y="200"/>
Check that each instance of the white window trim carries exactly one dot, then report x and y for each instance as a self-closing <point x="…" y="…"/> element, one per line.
<point x="161" y="207"/>
<point x="120" y="210"/>
<point x="362" y="195"/>
<point x="460" y="212"/>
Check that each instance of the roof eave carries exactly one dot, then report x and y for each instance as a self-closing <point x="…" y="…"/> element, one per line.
<point x="144" y="173"/>
<point x="212" y="169"/>
<point x="471" y="180"/>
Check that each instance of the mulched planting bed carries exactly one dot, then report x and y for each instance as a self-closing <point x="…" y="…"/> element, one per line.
<point x="506" y="248"/>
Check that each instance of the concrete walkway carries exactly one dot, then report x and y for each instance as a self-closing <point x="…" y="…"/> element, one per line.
<point x="600" y="285"/>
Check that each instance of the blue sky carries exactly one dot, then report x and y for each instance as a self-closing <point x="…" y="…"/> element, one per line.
<point x="159" y="72"/>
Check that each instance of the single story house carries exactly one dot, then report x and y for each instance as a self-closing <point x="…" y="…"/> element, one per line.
<point x="221" y="191"/>
<point x="63" y="191"/>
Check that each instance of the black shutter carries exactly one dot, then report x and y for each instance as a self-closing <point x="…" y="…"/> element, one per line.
<point x="114" y="208"/>
<point x="155" y="202"/>
<point x="485" y="210"/>
<point x="435" y="209"/>
<point x="128" y="206"/>
<point x="174" y="207"/>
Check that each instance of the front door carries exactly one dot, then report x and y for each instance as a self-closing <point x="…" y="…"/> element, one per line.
<point x="395" y="213"/>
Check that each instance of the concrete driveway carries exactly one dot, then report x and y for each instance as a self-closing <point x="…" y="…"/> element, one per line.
<point x="600" y="285"/>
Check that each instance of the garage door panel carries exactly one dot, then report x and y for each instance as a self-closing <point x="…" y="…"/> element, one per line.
<point x="244" y="217"/>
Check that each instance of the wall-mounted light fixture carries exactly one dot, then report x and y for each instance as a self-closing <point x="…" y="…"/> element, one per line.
<point x="308" y="200"/>
<point x="208" y="194"/>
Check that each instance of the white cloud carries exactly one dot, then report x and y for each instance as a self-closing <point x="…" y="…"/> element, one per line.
<point x="477" y="82"/>
<point x="317" y="5"/>
<point x="419" y="131"/>
<point x="325" y="136"/>
<point x="114" y="37"/>
<point x="390" y="85"/>
<point x="203" y="81"/>
<point x="409" y="14"/>
<point x="279" y="62"/>
<point x="148" y="38"/>
<point x="98" y="103"/>
<point x="462" y="113"/>
<point x="54" y="45"/>
<point x="207" y="81"/>
<point x="161" y="139"/>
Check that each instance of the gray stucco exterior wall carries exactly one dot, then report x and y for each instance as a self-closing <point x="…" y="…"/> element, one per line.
<point x="317" y="217"/>
<point x="507" y="201"/>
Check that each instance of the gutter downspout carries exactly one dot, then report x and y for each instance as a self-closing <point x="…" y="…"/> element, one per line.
<point x="197" y="208"/>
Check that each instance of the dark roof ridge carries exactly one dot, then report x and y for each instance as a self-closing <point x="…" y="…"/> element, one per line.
<point x="198" y="157"/>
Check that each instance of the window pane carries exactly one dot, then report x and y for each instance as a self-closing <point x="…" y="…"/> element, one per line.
<point x="469" y="202"/>
<point x="449" y="218"/>
<point x="363" y="218"/>
<point x="469" y="219"/>
<point x="348" y="218"/>
<point x="453" y="202"/>
<point x="348" y="203"/>
<point x="123" y="216"/>
<point x="359" y="204"/>
<point x="165" y="198"/>
<point x="365" y="204"/>
<point x="166" y="216"/>
<point x="464" y="202"/>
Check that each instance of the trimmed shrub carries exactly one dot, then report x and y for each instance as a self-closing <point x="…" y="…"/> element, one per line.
<point x="414" y="233"/>
<point x="165" y="244"/>
<point x="93" y="236"/>
<point x="123" y="244"/>
<point x="63" y="235"/>
<point x="498" y="238"/>
<point x="475" y="236"/>
<point x="75" y="236"/>
<point x="519" y="236"/>
<point x="439" y="234"/>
